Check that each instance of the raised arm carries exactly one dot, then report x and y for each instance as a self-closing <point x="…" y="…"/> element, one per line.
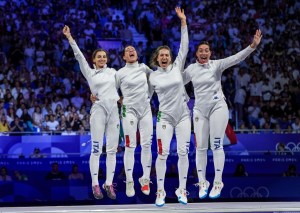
<point x="184" y="42"/>
<point x="84" y="66"/>
<point x="181" y="15"/>
<point x="240" y="56"/>
<point x="67" y="33"/>
<point x="256" y="39"/>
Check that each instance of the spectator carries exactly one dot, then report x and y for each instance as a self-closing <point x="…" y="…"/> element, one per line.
<point x="282" y="150"/>
<point x="266" y="90"/>
<point x="16" y="126"/>
<point x="11" y="114"/>
<point x="240" y="171"/>
<point x="277" y="129"/>
<point x="77" y="100"/>
<point x="68" y="131"/>
<point x="27" y="121"/>
<point x="253" y="113"/>
<point x="126" y="34"/>
<point x="4" y="126"/>
<point x="36" y="153"/>
<point x="75" y="122"/>
<point x="55" y="174"/>
<point x="255" y="89"/>
<point x="296" y="125"/>
<point x="3" y="174"/>
<point x="37" y="118"/>
<point x="75" y="174"/>
<point x="239" y="100"/>
<point x="229" y="88"/>
<point x="64" y="123"/>
<point x="20" y="176"/>
<point x="52" y="124"/>
<point x="291" y="171"/>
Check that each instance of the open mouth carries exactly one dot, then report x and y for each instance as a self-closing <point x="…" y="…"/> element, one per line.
<point x="203" y="59"/>
<point x="164" y="62"/>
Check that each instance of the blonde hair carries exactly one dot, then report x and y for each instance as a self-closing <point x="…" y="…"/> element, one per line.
<point x="153" y="60"/>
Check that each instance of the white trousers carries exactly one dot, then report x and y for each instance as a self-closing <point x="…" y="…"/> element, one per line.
<point x="209" y="128"/>
<point x="164" y="132"/>
<point x="134" y="118"/>
<point x="104" y="121"/>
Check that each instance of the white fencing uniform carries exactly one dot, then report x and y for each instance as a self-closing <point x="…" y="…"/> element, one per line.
<point x="104" y="115"/>
<point x="173" y="114"/>
<point x="136" y="113"/>
<point x="210" y="110"/>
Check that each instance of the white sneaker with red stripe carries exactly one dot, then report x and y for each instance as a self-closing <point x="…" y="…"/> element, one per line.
<point x="145" y="185"/>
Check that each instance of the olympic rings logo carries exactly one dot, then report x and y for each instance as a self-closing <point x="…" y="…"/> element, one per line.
<point x="291" y="146"/>
<point x="249" y="192"/>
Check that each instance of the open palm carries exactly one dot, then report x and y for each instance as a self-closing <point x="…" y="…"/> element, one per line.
<point x="257" y="37"/>
<point x="180" y="13"/>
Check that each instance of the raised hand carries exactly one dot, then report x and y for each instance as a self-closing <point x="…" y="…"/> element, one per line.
<point x="256" y="39"/>
<point x="180" y="13"/>
<point x="66" y="31"/>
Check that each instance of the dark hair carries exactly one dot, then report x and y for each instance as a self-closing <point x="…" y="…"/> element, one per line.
<point x="127" y="45"/>
<point x="201" y="43"/>
<point x="100" y="50"/>
<point x="153" y="60"/>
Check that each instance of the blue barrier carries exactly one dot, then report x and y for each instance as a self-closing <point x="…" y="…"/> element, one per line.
<point x="254" y="164"/>
<point x="243" y="188"/>
<point x="265" y="170"/>
<point x="66" y="146"/>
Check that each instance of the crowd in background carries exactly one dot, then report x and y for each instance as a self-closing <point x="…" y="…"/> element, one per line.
<point x="42" y="89"/>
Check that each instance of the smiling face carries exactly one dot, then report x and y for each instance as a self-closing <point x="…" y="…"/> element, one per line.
<point x="100" y="59"/>
<point x="130" y="55"/>
<point x="164" y="58"/>
<point x="203" y="53"/>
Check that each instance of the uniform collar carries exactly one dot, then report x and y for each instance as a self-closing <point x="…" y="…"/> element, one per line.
<point x="99" y="69"/>
<point x="135" y="64"/>
<point x="165" y="69"/>
<point x="206" y="65"/>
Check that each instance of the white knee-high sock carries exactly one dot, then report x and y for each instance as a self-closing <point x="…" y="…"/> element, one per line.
<point x="161" y="168"/>
<point x="201" y="163"/>
<point x="129" y="162"/>
<point x="94" y="168"/>
<point x="183" y="166"/>
<point x="146" y="160"/>
<point x="219" y="160"/>
<point x="110" y="168"/>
